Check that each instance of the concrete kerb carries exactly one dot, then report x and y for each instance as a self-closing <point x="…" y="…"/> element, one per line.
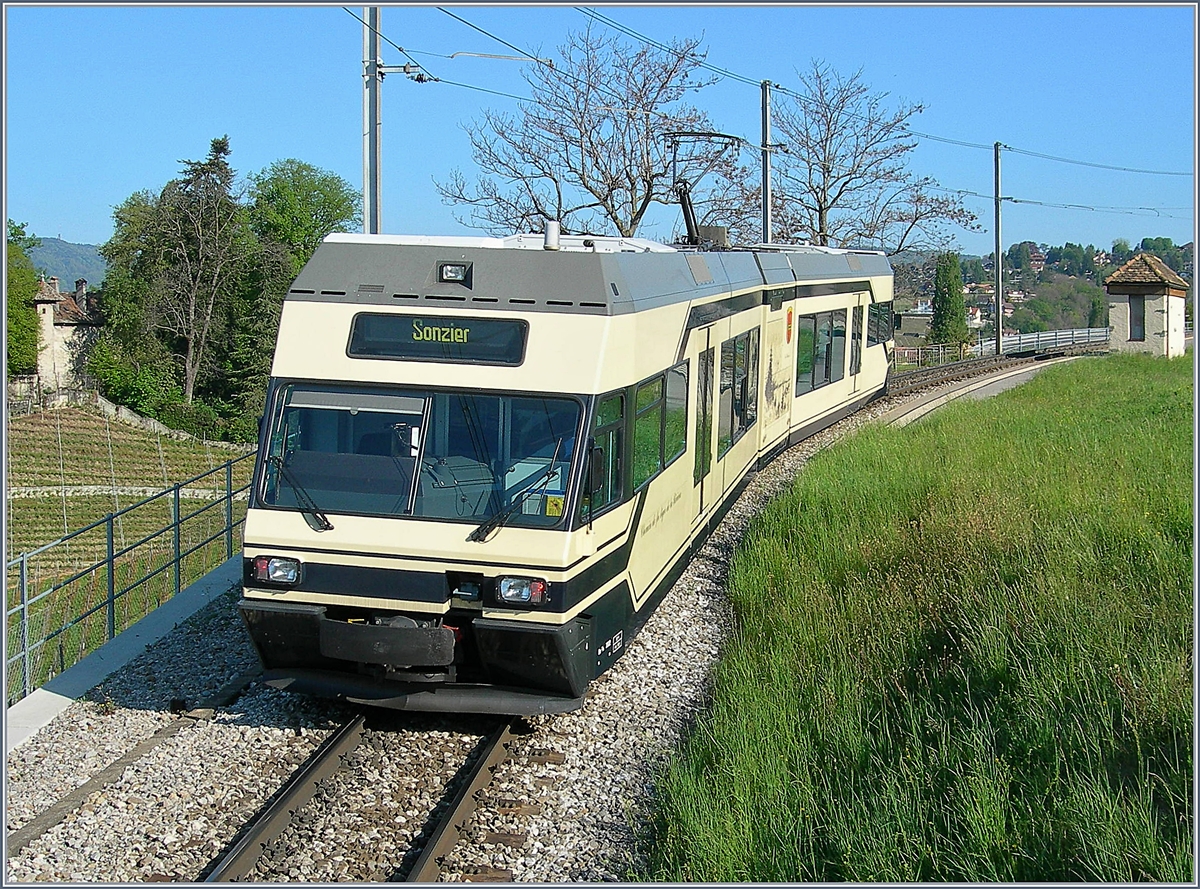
<point x="26" y="717"/>
<point x="907" y="413"/>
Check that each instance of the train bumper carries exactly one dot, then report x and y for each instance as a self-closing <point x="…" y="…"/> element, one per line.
<point x="450" y="698"/>
<point x="515" y="667"/>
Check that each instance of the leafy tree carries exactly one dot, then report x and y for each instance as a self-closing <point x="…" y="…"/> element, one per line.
<point x="1020" y="256"/>
<point x="176" y="258"/>
<point x="590" y="149"/>
<point x="197" y="273"/>
<point x="843" y="174"/>
<point x="949" y="321"/>
<point x="1025" y="320"/>
<point x="20" y="289"/>
<point x="972" y="271"/>
<point x="295" y="204"/>
<point x="1121" y="251"/>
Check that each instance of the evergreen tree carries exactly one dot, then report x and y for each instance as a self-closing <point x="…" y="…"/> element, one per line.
<point x="949" y="322"/>
<point x="20" y="289"/>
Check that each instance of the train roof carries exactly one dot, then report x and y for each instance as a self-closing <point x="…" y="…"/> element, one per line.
<point x="589" y="275"/>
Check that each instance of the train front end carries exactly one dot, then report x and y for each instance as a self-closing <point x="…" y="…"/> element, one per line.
<point x="408" y="539"/>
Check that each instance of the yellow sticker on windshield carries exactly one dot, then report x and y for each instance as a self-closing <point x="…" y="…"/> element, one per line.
<point x="554" y="505"/>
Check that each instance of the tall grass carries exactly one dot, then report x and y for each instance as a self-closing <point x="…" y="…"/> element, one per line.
<point x="964" y="652"/>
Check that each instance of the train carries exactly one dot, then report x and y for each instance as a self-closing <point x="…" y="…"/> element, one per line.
<point x="484" y="461"/>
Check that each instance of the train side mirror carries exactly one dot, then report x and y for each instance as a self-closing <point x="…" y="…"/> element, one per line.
<point x="595" y="476"/>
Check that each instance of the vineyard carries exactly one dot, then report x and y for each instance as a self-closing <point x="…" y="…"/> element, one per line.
<point x="105" y="523"/>
<point x="70" y="456"/>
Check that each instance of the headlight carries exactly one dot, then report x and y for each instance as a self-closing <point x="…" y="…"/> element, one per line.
<point x="523" y="590"/>
<point x="274" y="569"/>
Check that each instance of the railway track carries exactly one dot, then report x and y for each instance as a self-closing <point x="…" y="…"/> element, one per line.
<point x="247" y="857"/>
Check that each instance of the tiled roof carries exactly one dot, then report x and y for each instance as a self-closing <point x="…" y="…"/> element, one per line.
<point x="67" y="311"/>
<point x="1145" y="268"/>
<point x="47" y="291"/>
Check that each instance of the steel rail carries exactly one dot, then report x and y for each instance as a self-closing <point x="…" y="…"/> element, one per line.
<point x="454" y="822"/>
<point x="55" y="814"/>
<point x="299" y="789"/>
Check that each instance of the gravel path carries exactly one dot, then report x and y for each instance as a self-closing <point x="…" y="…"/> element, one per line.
<point x="173" y="810"/>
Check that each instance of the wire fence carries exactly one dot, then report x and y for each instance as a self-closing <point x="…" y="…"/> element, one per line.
<point x="69" y="597"/>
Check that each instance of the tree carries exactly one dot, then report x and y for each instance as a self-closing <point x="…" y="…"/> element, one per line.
<point x="949" y="321"/>
<point x="1121" y="251"/>
<point x="20" y="289"/>
<point x="972" y="271"/>
<point x="197" y="274"/>
<point x="590" y="149"/>
<point x="180" y="256"/>
<point x="1020" y="256"/>
<point x="295" y="204"/>
<point x="843" y="173"/>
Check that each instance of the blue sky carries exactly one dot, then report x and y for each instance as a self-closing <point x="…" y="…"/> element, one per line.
<point x="103" y="101"/>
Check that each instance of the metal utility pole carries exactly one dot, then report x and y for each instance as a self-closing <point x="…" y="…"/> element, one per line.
<point x="998" y="259"/>
<point x="766" y="162"/>
<point x="372" y="125"/>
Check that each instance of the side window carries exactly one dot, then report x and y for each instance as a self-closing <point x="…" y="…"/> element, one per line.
<point x="608" y="429"/>
<point x="821" y="354"/>
<point x="738" y="405"/>
<point x="879" y="323"/>
<point x="647" y="431"/>
<point x="675" y="421"/>
<point x="837" y="347"/>
<point x="660" y="423"/>
<point x="821" y="350"/>
<point x="806" y="338"/>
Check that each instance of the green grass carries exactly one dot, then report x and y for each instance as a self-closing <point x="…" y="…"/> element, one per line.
<point x="964" y="652"/>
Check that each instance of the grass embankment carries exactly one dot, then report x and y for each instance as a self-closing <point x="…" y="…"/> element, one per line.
<point x="964" y="652"/>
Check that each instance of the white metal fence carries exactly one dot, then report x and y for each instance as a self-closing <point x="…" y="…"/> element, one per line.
<point x="929" y="356"/>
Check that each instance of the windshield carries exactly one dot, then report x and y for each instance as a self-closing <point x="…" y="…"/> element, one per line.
<point x="406" y="452"/>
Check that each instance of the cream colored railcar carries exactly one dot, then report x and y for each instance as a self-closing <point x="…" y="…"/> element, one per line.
<point x="484" y="462"/>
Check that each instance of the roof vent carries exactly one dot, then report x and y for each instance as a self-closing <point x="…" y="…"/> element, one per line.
<point x="551" y="235"/>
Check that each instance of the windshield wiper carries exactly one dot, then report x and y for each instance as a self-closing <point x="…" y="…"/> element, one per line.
<point x="317" y="520"/>
<point x="497" y="520"/>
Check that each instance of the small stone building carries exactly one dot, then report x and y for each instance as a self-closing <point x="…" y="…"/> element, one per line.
<point x="1146" y="307"/>
<point x="68" y="323"/>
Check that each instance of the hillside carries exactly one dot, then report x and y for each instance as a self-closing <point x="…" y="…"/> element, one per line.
<point x="69" y="262"/>
<point x="79" y="449"/>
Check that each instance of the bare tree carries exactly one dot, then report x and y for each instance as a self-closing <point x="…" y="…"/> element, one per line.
<point x="843" y="176"/>
<point x="590" y="149"/>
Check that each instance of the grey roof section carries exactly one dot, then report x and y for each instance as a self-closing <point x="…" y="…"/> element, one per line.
<point x="386" y="271"/>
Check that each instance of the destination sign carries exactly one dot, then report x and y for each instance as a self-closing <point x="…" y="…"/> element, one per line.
<point x="426" y="338"/>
